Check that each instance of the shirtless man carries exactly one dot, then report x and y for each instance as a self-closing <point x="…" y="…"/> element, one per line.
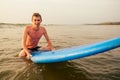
<point x="32" y="35"/>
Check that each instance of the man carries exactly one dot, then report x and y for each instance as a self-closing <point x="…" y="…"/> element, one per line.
<point x="31" y="36"/>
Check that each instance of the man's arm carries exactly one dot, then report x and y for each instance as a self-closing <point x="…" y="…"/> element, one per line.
<point x="48" y="40"/>
<point x="24" y="42"/>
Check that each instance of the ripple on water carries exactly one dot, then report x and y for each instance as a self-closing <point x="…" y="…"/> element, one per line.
<point x="6" y="75"/>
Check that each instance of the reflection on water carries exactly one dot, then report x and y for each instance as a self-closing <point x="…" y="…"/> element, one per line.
<point x="54" y="71"/>
<point x="104" y="66"/>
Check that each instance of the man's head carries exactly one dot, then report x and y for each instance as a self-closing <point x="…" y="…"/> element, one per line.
<point x="36" y="15"/>
<point x="36" y="19"/>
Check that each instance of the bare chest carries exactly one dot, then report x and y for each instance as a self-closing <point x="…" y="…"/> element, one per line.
<point x="35" y="34"/>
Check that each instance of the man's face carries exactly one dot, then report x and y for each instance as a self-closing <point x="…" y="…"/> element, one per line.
<point x="36" y="21"/>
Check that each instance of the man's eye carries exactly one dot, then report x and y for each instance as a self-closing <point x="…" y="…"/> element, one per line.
<point x="36" y="20"/>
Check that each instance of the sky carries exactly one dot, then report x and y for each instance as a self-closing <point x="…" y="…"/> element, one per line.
<point x="60" y="11"/>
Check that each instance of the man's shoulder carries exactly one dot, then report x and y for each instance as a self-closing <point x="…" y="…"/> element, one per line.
<point x="28" y="27"/>
<point x="42" y="27"/>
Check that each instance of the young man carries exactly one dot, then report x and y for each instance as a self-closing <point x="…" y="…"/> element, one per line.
<point x="31" y="36"/>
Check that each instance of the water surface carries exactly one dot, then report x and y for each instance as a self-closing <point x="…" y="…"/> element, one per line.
<point x="105" y="66"/>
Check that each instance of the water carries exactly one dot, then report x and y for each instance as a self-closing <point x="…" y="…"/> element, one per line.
<point x="105" y="66"/>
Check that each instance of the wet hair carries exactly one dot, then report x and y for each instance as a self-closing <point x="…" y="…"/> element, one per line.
<point x="36" y="15"/>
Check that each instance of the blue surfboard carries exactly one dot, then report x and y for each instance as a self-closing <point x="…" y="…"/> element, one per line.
<point x="74" y="52"/>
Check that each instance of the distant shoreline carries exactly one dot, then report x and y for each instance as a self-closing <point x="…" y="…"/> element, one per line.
<point x="106" y="23"/>
<point x="24" y="24"/>
<point x="14" y="23"/>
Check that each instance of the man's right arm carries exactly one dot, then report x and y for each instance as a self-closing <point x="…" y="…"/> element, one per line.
<point x="24" y="38"/>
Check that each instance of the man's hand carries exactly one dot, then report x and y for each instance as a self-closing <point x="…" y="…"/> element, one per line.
<point x="28" y="57"/>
